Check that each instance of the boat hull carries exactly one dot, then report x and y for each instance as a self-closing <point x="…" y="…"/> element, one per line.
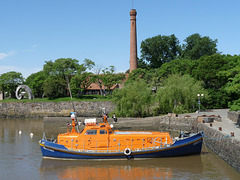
<point x="187" y="146"/>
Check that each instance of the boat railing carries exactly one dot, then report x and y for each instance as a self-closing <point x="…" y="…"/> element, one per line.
<point x="114" y="146"/>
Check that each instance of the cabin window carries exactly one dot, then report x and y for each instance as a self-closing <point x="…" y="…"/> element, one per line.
<point x="102" y="131"/>
<point x="110" y="131"/>
<point x="91" y="132"/>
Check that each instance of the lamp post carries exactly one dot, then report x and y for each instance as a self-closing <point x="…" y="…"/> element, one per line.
<point x="199" y="101"/>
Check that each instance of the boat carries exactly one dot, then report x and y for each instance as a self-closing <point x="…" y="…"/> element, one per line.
<point x="100" y="141"/>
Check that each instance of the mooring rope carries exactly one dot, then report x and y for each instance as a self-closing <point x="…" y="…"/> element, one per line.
<point x="24" y="156"/>
<point x="217" y="139"/>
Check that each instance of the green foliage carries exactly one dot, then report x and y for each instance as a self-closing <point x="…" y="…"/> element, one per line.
<point x="82" y="79"/>
<point x="10" y="81"/>
<point x="62" y="67"/>
<point x="55" y="88"/>
<point x="235" y="106"/>
<point x="109" y="78"/>
<point x="159" y="50"/>
<point x="232" y="74"/>
<point x="208" y="69"/>
<point x="80" y="82"/>
<point x="151" y="77"/>
<point x="196" y="46"/>
<point x="233" y="84"/>
<point x="134" y="100"/>
<point x="65" y="69"/>
<point x="35" y="82"/>
<point x="217" y="99"/>
<point x="179" y="94"/>
<point x="88" y="64"/>
<point x="178" y="66"/>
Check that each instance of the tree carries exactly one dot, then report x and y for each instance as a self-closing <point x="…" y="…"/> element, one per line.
<point x="98" y="78"/>
<point x="196" y="46"/>
<point x="55" y="87"/>
<point x="35" y="82"/>
<point x="159" y="50"/>
<point x="235" y="105"/>
<point x="178" y="66"/>
<point x="80" y="82"/>
<point x="88" y="64"/>
<point x="63" y="68"/>
<point x="232" y="73"/>
<point x="232" y="86"/>
<point x="208" y="70"/>
<point x="10" y="81"/>
<point x="109" y="78"/>
<point x="151" y="76"/>
<point x="179" y="94"/>
<point x="134" y="100"/>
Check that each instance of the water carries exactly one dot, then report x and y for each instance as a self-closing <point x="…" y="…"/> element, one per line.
<point x="20" y="158"/>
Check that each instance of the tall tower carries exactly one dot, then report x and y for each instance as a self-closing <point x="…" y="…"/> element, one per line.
<point x="133" y="40"/>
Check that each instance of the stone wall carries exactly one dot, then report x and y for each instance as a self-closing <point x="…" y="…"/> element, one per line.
<point x="157" y="123"/>
<point x="234" y="116"/>
<point x="226" y="147"/>
<point x="61" y="109"/>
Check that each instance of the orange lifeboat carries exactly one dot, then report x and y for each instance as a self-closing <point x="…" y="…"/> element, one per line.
<point x="100" y="141"/>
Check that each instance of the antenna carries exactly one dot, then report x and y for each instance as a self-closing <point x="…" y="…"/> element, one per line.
<point x="132" y="4"/>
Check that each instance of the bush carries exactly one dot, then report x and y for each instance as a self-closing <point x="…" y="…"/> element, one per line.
<point x="235" y="106"/>
<point x="179" y="94"/>
<point x="55" y="88"/>
<point x="134" y="100"/>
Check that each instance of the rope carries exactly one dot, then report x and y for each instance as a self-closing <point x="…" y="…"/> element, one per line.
<point x="24" y="156"/>
<point x="217" y="139"/>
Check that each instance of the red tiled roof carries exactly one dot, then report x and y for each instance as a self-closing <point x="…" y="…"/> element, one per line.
<point x="95" y="86"/>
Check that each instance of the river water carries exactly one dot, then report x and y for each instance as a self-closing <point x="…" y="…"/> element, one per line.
<point x="20" y="158"/>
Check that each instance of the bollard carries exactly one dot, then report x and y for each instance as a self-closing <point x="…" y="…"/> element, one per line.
<point x="210" y="124"/>
<point x="220" y="128"/>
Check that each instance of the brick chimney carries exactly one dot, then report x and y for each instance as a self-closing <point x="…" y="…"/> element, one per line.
<point x="133" y="40"/>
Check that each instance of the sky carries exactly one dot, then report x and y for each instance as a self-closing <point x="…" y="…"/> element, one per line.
<point x="35" y="31"/>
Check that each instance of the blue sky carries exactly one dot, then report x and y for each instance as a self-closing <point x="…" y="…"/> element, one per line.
<point x="35" y="31"/>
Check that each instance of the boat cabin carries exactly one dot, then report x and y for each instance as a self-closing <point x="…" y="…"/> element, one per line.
<point x="101" y="138"/>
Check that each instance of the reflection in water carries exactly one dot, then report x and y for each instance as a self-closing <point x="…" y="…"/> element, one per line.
<point x="165" y="168"/>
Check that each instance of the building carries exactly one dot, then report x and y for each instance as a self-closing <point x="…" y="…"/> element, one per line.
<point x="94" y="89"/>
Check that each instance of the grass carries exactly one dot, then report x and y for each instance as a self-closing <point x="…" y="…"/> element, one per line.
<point x="81" y="98"/>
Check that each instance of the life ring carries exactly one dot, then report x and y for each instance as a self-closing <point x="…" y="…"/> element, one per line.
<point x="127" y="151"/>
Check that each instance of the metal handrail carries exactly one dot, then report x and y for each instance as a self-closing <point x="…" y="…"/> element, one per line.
<point x="120" y="146"/>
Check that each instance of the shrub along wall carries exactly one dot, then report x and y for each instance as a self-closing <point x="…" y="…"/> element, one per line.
<point x="60" y="109"/>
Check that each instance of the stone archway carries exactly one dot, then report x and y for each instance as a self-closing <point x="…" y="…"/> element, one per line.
<point x="20" y="94"/>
